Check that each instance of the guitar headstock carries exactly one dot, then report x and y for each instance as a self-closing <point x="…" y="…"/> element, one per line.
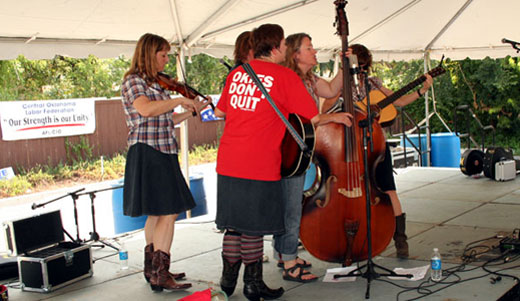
<point x="437" y="70"/>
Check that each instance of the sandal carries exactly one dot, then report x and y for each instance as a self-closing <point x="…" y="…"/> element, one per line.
<point x="304" y="265"/>
<point x="298" y="277"/>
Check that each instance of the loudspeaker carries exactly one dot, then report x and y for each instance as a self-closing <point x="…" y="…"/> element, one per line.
<point x="492" y="156"/>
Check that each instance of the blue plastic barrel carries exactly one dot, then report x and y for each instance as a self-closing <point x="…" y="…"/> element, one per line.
<point x="415" y="140"/>
<point x="197" y="190"/>
<point x="123" y="223"/>
<point x="445" y="150"/>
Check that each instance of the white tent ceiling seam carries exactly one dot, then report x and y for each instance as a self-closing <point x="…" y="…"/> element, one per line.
<point x="392" y="29"/>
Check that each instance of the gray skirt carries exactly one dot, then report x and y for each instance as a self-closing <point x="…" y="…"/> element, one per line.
<point x="250" y="207"/>
<point x="154" y="184"/>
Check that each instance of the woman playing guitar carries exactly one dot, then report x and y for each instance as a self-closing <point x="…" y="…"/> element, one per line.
<point x="384" y="172"/>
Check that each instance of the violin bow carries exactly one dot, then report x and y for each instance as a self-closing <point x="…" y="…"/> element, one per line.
<point x="187" y="87"/>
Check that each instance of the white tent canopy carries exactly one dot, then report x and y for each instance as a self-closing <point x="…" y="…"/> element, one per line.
<point x="392" y="29"/>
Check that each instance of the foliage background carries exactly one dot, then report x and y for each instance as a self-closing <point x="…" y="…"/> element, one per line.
<point x="491" y="87"/>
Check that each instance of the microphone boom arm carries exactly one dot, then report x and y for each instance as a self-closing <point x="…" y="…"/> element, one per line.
<point x="34" y="205"/>
<point x="514" y="44"/>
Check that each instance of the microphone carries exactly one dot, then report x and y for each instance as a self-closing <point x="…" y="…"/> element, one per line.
<point x="225" y="64"/>
<point x="354" y="70"/>
<point x="509" y="41"/>
<point x="34" y="206"/>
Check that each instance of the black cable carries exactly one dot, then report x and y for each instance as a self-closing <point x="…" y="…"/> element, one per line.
<point x="473" y="254"/>
<point x="488" y="272"/>
<point x="449" y="285"/>
<point x="424" y="288"/>
<point x="507" y="268"/>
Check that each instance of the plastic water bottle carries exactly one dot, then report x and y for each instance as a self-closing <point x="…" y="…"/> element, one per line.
<point x="123" y="257"/>
<point x="436" y="266"/>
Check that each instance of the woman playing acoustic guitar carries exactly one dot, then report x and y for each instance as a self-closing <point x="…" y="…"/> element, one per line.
<point x="249" y="202"/>
<point x="384" y="171"/>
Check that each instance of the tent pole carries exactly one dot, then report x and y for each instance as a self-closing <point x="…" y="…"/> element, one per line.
<point x="427" y="111"/>
<point x="335" y="69"/>
<point x="184" y="125"/>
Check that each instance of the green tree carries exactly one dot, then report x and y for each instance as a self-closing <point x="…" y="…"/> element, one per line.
<point x="203" y="73"/>
<point x="491" y="87"/>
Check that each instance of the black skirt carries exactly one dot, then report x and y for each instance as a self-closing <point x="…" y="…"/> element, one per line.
<point x="385" y="172"/>
<point x="248" y="206"/>
<point x="154" y="184"/>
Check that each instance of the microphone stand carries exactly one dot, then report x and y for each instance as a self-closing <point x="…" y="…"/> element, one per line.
<point x="228" y="66"/>
<point x="513" y="44"/>
<point x="370" y="272"/>
<point x="94" y="236"/>
<point x="74" y="195"/>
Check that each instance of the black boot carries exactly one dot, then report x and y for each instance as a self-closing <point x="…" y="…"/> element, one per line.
<point x="400" y="237"/>
<point x="254" y="286"/>
<point x="228" y="281"/>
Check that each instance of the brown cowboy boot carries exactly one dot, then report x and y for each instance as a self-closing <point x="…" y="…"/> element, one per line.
<point x="148" y="255"/>
<point x="254" y="285"/>
<point x="160" y="278"/>
<point x="228" y="281"/>
<point x="400" y="237"/>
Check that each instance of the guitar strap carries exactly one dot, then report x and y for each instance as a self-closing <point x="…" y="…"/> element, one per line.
<point x="261" y="87"/>
<point x="371" y="80"/>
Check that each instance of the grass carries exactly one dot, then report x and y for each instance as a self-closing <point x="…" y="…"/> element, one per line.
<point x="83" y="170"/>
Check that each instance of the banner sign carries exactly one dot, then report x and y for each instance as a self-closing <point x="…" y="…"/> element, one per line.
<point x="47" y="118"/>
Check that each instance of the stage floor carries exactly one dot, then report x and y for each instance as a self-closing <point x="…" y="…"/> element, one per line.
<point x="445" y="209"/>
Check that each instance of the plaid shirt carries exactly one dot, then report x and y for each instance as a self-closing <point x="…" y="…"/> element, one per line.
<point x="157" y="131"/>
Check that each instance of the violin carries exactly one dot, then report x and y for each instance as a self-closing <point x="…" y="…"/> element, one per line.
<point x="169" y="83"/>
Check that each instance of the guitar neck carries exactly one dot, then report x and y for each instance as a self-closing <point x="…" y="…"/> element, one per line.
<point x="397" y="94"/>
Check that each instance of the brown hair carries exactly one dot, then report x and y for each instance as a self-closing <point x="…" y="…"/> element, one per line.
<point x="265" y="38"/>
<point x="293" y="43"/>
<point x="363" y="55"/>
<point x="144" y="61"/>
<point x="243" y="45"/>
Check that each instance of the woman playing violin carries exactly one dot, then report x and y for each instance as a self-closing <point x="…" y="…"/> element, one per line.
<point x="153" y="183"/>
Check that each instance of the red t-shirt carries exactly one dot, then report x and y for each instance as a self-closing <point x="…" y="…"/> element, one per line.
<point x="250" y="146"/>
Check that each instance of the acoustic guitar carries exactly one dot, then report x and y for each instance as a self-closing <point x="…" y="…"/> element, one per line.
<point x="382" y="104"/>
<point x="295" y="161"/>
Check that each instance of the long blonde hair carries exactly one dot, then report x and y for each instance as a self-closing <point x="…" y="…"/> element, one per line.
<point x="144" y="61"/>
<point x="293" y="43"/>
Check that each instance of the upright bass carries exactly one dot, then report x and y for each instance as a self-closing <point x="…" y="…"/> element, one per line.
<point x="334" y="220"/>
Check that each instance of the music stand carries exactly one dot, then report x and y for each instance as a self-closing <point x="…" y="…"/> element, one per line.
<point x="370" y="272"/>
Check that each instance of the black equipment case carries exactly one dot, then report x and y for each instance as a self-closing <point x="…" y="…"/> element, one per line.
<point x="45" y="261"/>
